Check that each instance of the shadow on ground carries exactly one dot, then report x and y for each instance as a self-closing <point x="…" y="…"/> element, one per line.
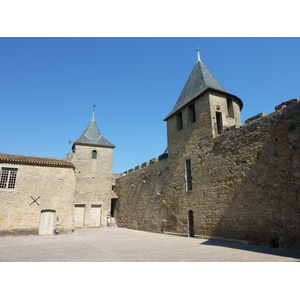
<point x="254" y="248"/>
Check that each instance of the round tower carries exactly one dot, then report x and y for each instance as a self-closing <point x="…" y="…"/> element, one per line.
<point x="203" y="108"/>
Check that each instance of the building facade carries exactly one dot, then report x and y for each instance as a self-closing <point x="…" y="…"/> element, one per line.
<point x="40" y="195"/>
<point x="36" y="194"/>
<point x="219" y="179"/>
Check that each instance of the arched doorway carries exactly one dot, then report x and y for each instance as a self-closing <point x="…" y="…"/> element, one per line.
<point x="191" y="223"/>
<point x="47" y="218"/>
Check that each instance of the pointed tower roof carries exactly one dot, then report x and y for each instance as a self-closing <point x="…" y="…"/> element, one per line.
<point x="199" y="81"/>
<point x="93" y="137"/>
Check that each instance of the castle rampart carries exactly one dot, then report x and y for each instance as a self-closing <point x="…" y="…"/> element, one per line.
<point x="244" y="184"/>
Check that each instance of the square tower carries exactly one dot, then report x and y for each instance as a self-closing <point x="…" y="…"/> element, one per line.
<point x="93" y="160"/>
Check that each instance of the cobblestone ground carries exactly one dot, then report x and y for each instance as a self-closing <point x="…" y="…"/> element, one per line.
<point x="124" y="245"/>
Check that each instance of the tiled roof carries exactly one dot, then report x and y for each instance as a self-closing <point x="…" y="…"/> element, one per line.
<point x="92" y="136"/>
<point x="34" y="160"/>
<point x="199" y="81"/>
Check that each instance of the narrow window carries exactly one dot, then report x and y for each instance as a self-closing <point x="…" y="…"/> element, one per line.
<point x="219" y="122"/>
<point x="94" y="154"/>
<point x="188" y="175"/>
<point x="179" y="121"/>
<point x="191" y="114"/>
<point x="8" y="178"/>
<point x="230" y="108"/>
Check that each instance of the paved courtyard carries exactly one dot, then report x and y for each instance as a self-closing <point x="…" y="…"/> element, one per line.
<point x="125" y="245"/>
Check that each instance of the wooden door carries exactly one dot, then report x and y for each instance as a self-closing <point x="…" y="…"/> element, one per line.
<point x="47" y="219"/>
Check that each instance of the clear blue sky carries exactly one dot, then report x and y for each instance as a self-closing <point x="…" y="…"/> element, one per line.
<point x="49" y="86"/>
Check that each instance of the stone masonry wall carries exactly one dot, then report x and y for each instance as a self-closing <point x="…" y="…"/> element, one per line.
<point x="245" y="185"/>
<point x="51" y="187"/>
<point x="94" y="182"/>
<point x="142" y="206"/>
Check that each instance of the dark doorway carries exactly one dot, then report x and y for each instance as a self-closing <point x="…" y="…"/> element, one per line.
<point x="191" y="223"/>
<point x="113" y="207"/>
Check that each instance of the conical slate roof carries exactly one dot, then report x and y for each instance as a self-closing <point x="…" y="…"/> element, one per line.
<point x="92" y="136"/>
<point x="200" y="80"/>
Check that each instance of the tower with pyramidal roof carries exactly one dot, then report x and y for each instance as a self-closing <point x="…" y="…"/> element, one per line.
<point x="204" y="108"/>
<point x="93" y="160"/>
<point x="220" y="179"/>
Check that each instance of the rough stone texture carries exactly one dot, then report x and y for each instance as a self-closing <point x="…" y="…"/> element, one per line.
<point x="78" y="189"/>
<point x="94" y="181"/>
<point x="206" y="125"/>
<point x="246" y="183"/>
<point x="54" y="185"/>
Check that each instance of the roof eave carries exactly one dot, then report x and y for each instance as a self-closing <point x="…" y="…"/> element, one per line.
<point x="36" y="161"/>
<point x="201" y="94"/>
<point x="93" y="145"/>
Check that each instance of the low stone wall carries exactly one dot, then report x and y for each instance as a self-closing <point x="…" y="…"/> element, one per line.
<point x="245" y="185"/>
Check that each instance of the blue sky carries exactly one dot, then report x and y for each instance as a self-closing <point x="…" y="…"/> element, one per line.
<point x="49" y="86"/>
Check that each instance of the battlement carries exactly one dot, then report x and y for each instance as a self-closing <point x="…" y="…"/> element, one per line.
<point x="278" y="108"/>
<point x="147" y="163"/>
<point x="221" y="131"/>
<point x="243" y="184"/>
<point x="285" y="104"/>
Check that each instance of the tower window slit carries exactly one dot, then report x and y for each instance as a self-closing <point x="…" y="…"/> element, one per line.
<point x="191" y="114"/>
<point x="179" y="121"/>
<point x="230" y="108"/>
<point x="188" y="175"/>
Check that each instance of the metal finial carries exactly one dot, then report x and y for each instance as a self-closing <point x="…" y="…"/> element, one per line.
<point x="93" y="116"/>
<point x="198" y="54"/>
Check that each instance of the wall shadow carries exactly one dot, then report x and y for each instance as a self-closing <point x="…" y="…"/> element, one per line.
<point x="254" y="248"/>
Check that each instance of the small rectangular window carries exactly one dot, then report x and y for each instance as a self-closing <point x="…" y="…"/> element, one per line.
<point x="230" y="108"/>
<point x="188" y="175"/>
<point x="219" y="123"/>
<point x="8" y="178"/>
<point x="179" y="121"/>
<point x="191" y="114"/>
<point x="94" y="154"/>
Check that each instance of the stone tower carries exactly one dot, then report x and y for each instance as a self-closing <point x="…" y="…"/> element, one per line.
<point x="204" y="108"/>
<point x="93" y="160"/>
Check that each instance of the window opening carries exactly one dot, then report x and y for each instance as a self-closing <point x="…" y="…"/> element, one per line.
<point x="192" y="114"/>
<point x="230" y="108"/>
<point x="219" y="122"/>
<point x="8" y="178"/>
<point x="188" y="175"/>
<point x="94" y="154"/>
<point x="179" y="121"/>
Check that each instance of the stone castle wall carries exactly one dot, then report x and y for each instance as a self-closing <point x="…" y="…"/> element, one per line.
<point x="245" y="185"/>
<point x="51" y="187"/>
